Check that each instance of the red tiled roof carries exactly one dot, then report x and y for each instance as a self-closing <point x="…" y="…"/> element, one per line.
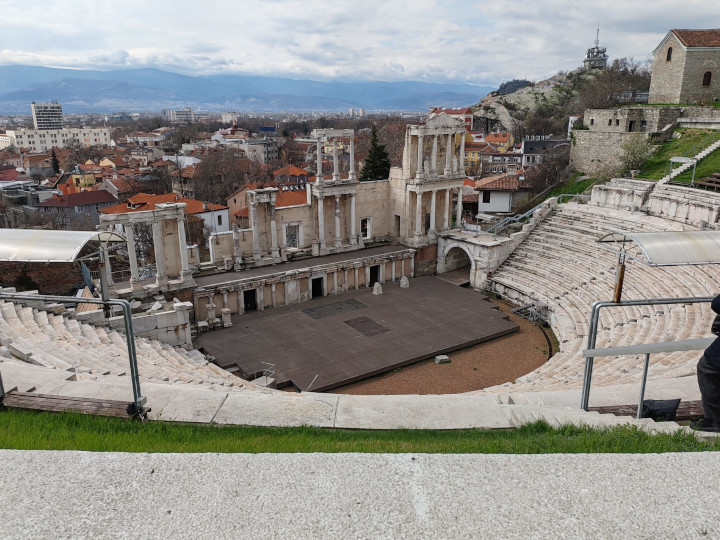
<point x="80" y="199"/>
<point x="290" y="170"/>
<point x="243" y="212"/>
<point x="500" y="183"/>
<point x="699" y="38"/>
<point x="145" y="201"/>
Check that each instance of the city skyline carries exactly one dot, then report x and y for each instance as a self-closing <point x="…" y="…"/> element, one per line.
<point x="477" y="42"/>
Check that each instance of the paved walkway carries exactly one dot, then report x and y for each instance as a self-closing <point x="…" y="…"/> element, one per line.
<point x="316" y="496"/>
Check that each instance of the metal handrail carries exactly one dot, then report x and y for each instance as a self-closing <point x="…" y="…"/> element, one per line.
<point x="592" y="338"/>
<point x="138" y="399"/>
<point x="519" y="217"/>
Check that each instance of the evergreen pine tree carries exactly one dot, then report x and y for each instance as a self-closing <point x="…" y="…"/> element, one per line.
<point x="377" y="164"/>
<point x="55" y="162"/>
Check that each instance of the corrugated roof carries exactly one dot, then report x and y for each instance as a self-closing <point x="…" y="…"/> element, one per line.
<point x="36" y="245"/>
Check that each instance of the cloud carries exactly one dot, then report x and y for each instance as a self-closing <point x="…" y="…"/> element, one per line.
<point x="477" y="41"/>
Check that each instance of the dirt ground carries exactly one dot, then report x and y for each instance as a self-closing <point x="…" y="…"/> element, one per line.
<point x="501" y="360"/>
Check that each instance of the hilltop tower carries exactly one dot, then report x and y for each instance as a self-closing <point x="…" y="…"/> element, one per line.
<point x="596" y="57"/>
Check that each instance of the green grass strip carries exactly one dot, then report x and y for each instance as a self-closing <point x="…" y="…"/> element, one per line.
<point x="29" y="430"/>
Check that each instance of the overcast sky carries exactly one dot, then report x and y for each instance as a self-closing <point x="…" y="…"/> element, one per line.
<point x="474" y="41"/>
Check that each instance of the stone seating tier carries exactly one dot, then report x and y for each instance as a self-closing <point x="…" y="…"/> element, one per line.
<point x="561" y="265"/>
<point x="63" y="343"/>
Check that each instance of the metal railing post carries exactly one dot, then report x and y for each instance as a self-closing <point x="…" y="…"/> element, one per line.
<point x="592" y="335"/>
<point x="138" y="399"/>
<point x="646" y="365"/>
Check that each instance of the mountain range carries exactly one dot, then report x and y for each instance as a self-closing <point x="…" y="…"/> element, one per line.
<point x="149" y="89"/>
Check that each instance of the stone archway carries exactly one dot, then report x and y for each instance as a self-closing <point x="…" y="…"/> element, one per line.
<point x="456" y="264"/>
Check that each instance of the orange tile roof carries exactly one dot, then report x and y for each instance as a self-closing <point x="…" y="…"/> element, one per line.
<point x="500" y="183"/>
<point x="145" y="201"/>
<point x="290" y="170"/>
<point x="699" y="38"/>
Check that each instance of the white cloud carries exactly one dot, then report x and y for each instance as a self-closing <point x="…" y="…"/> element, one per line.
<point x="478" y="41"/>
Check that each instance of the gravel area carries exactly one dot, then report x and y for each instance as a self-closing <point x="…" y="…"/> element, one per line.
<point x="501" y="360"/>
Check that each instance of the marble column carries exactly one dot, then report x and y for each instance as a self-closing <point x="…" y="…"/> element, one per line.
<point x="336" y="164"/>
<point x="273" y="295"/>
<point x="275" y="250"/>
<point x="108" y="267"/>
<point x="255" y="231"/>
<point x="462" y="154"/>
<point x="338" y="232"/>
<point x="184" y="264"/>
<point x="319" y="174"/>
<point x="351" y="175"/>
<point x="132" y="256"/>
<point x="159" y="249"/>
<point x="448" y="155"/>
<point x="418" y="214"/>
<point x="353" y="232"/>
<point x="433" y="162"/>
<point x="458" y="209"/>
<point x="419" y="173"/>
<point x="446" y="214"/>
<point x="321" y="221"/>
<point x="433" y="196"/>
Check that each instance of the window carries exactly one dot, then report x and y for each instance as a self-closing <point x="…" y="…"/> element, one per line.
<point x="220" y="219"/>
<point x="669" y="54"/>
<point x="592" y="121"/>
<point x="292" y="236"/>
<point x="366" y="227"/>
<point x="609" y="121"/>
<point x="707" y="76"/>
<point x="486" y="196"/>
<point x="617" y="121"/>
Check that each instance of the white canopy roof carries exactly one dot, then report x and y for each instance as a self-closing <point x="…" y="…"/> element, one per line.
<point x="672" y="248"/>
<point x="31" y="245"/>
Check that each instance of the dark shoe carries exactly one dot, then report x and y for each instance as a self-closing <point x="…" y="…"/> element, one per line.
<point x="704" y="425"/>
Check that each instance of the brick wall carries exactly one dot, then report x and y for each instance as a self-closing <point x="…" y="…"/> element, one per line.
<point x="51" y="278"/>
<point x="426" y="261"/>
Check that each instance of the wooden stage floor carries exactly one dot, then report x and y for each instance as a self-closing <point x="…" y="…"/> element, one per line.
<point x="336" y="340"/>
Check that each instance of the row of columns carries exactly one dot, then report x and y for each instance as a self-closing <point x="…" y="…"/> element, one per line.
<point x="338" y="228"/>
<point x="260" y="287"/>
<point x="419" y="227"/>
<point x="336" y="164"/>
<point x="159" y="251"/>
<point x="274" y="246"/>
<point x="451" y="167"/>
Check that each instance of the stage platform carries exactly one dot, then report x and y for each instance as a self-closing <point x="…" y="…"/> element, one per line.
<point x="335" y="340"/>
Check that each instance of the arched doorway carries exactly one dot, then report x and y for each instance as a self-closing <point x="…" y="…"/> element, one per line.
<point x="458" y="266"/>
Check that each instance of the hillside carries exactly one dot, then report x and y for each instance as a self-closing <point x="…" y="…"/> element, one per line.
<point x="543" y="108"/>
<point x="154" y="89"/>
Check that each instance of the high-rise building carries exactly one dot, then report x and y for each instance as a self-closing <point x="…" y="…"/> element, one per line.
<point x="47" y="115"/>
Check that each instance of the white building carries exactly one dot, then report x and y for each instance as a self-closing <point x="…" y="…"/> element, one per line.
<point x="47" y="115"/>
<point x="41" y="140"/>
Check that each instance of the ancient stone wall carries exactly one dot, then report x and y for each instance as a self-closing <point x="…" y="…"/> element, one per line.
<point x="426" y="261"/>
<point x="595" y="152"/>
<point x="665" y="82"/>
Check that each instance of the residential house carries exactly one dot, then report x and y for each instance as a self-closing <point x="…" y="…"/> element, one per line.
<point x="80" y="208"/>
<point x="500" y="193"/>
